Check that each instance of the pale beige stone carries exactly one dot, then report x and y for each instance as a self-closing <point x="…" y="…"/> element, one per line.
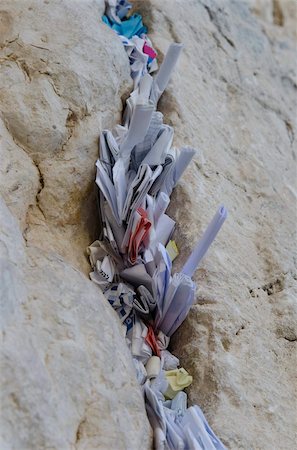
<point x="63" y="74"/>
<point x="233" y="96"/>
<point x="61" y="84"/>
<point x="67" y="379"/>
<point x="281" y="13"/>
<point x="19" y="177"/>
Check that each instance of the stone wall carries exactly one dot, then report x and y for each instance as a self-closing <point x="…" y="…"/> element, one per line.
<point x="233" y="96"/>
<point x="67" y="377"/>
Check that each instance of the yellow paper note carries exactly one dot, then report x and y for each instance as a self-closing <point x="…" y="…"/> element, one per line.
<point x="172" y="250"/>
<point x="178" y="380"/>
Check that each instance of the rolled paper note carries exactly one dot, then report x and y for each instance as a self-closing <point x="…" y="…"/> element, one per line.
<point x="139" y="124"/>
<point x="205" y="242"/>
<point x="183" y="159"/>
<point x="153" y="367"/>
<point x="167" y="66"/>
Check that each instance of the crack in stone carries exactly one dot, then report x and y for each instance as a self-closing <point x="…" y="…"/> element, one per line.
<point x="290" y="339"/>
<point x="214" y="19"/>
<point x="171" y="30"/>
<point x="7" y="43"/>
<point x="41" y="187"/>
<point x="239" y="330"/>
<point x="41" y="48"/>
<point x="218" y="42"/>
<point x="290" y="131"/>
<point x="242" y="188"/>
<point x="70" y="124"/>
<point x="20" y="62"/>
<point x="14" y="139"/>
<point x="41" y="179"/>
<point x="278" y="16"/>
<point x="79" y="430"/>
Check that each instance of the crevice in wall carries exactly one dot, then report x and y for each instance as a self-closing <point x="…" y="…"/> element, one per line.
<point x="79" y="433"/>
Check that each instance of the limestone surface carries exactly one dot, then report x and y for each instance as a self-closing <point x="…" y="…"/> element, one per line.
<point x="66" y="373"/>
<point x="67" y="379"/>
<point x="233" y="96"/>
<point x="63" y="73"/>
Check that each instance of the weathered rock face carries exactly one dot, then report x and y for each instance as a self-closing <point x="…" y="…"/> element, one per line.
<point x="233" y="96"/>
<point x="67" y="376"/>
<point x="61" y="82"/>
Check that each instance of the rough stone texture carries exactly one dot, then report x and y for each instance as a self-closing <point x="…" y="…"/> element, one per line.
<point x="234" y="98"/>
<point x="61" y="83"/>
<point x="66" y="373"/>
<point x="67" y="376"/>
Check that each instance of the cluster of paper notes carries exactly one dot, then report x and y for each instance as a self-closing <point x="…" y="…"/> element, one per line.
<point x="137" y="170"/>
<point x="132" y="32"/>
